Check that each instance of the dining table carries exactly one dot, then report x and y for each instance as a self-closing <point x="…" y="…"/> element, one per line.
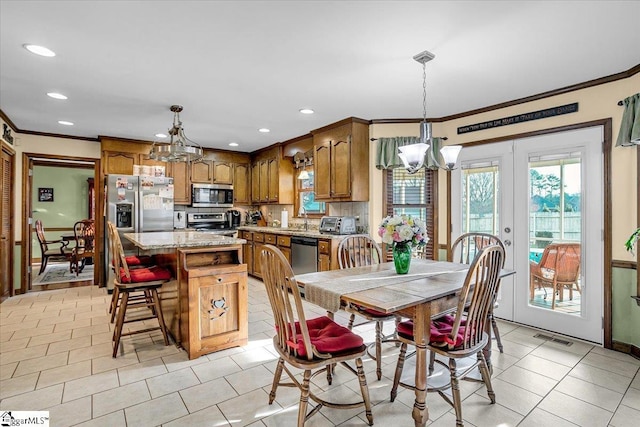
<point x="430" y="289"/>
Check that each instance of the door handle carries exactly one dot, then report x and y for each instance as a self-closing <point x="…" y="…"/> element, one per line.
<point x="507" y="242"/>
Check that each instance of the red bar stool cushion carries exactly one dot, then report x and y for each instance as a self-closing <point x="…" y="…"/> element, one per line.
<point x="141" y="275"/>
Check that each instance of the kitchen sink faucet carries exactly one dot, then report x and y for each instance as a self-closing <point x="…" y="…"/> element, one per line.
<point x="303" y="211"/>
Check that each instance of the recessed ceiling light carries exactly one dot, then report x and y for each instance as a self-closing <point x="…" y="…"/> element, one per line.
<point x="66" y="123"/>
<point x="233" y="144"/>
<point x="307" y="111"/>
<point x="264" y="130"/>
<point x="56" y="95"/>
<point x="39" y="50"/>
<point x="160" y="135"/>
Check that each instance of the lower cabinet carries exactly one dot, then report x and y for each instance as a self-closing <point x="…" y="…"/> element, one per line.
<point x="258" y="243"/>
<point x="324" y="255"/>
<point x="247" y="251"/>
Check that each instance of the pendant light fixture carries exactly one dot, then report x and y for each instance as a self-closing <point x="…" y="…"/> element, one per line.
<point x="180" y="148"/>
<point x="413" y="155"/>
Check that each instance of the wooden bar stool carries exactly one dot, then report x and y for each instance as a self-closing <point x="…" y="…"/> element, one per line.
<point x="132" y="262"/>
<point x="142" y="280"/>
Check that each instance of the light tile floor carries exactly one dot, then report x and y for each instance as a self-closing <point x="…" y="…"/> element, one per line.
<point x="55" y="355"/>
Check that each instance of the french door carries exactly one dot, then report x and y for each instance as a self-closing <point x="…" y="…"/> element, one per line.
<point x="543" y="196"/>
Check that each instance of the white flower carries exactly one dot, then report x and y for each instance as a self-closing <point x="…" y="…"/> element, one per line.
<point x="405" y="232"/>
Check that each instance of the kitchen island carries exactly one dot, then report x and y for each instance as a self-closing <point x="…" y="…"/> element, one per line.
<point x="205" y="304"/>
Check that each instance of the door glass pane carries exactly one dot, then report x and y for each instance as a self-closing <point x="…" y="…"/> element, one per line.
<point x="555" y="231"/>
<point x="480" y="200"/>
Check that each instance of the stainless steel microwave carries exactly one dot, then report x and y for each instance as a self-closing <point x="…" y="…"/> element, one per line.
<point x="211" y="196"/>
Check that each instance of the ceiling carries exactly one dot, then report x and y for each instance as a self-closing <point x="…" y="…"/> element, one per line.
<point x="242" y="65"/>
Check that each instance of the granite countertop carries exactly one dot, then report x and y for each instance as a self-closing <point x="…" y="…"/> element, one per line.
<point x="291" y="232"/>
<point x="180" y="239"/>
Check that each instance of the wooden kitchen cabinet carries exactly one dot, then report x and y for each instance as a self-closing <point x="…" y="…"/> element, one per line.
<point x="324" y="255"/>
<point x="258" y="243"/>
<point x="247" y="250"/>
<point x="341" y="161"/>
<point x="284" y="244"/>
<point x="202" y="172"/>
<point x="119" y="163"/>
<point x="181" y="183"/>
<point x="241" y="184"/>
<point x="223" y="173"/>
<point x="272" y="178"/>
<point x="255" y="183"/>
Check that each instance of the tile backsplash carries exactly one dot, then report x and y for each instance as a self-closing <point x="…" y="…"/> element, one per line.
<point x="358" y="209"/>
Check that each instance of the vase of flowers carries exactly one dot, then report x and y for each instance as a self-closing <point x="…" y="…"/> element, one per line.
<point x="404" y="233"/>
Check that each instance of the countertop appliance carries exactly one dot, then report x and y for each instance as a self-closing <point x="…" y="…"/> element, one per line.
<point x="211" y="196"/>
<point x="213" y="222"/>
<point x="338" y="225"/>
<point x="233" y="218"/>
<point x="304" y="254"/>
<point x="137" y="204"/>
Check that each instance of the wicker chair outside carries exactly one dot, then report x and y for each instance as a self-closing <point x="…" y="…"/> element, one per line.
<point x="559" y="267"/>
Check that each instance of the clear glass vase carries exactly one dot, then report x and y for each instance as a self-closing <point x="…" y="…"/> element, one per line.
<point x="401" y="257"/>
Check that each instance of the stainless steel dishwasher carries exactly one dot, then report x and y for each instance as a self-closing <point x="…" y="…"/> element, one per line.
<point x="304" y="255"/>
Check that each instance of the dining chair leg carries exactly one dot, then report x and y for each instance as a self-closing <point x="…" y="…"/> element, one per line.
<point x="304" y="398"/>
<point x="399" y="366"/>
<point x="455" y="391"/>
<point x="432" y="362"/>
<point x="378" y="345"/>
<point x="364" y="390"/>
<point x="352" y="319"/>
<point x="276" y="380"/>
<point x="496" y="332"/>
<point x="486" y="377"/>
<point x="43" y="265"/>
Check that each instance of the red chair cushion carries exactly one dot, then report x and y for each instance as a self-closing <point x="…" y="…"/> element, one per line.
<point x="327" y="336"/>
<point x="141" y="275"/>
<point x="135" y="261"/>
<point x="440" y="331"/>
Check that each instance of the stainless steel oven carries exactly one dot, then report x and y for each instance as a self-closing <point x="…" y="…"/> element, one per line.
<point x="211" y="196"/>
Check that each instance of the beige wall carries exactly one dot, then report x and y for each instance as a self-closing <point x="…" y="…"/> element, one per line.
<point x="26" y="143"/>
<point x="599" y="102"/>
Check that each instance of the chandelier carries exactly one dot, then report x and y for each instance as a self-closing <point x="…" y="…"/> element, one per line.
<point x="180" y="148"/>
<point x="413" y="155"/>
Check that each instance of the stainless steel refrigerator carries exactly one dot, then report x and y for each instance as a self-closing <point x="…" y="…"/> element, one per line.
<point x="137" y="204"/>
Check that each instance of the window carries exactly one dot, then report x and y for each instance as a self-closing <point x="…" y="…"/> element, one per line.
<point x="415" y="195"/>
<point x="306" y="197"/>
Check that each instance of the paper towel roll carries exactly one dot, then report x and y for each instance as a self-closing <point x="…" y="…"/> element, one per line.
<point x="284" y="219"/>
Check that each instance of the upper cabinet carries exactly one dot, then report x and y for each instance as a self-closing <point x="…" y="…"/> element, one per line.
<point x="272" y="178"/>
<point x="341" y="161"/>
<point x="241" y="184"/>
<point x="212" y="172"/>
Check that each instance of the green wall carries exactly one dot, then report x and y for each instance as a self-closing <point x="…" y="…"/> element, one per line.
<point x="70" y="200"/>
<point x="625" y="311"/>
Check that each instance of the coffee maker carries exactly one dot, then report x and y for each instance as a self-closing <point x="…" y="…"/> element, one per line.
<point x="233" y="218"/>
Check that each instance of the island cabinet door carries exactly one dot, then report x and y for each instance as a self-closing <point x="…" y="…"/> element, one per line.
<point x="218" y="317"/>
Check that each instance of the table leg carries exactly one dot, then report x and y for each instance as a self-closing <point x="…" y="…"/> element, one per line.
<point x="421" y="332"/>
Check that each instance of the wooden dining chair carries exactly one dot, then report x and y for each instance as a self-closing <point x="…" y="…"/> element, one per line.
<point x="312" y="345"/>
<point x="559" y="267"/>
<point x="356" y="251"/>
<point x="463" y="334"/>
<point x="50" y="248"/>
<point x="85" y="233"/>
<point x="463" y="250"/>
<point x="144" y="281"/>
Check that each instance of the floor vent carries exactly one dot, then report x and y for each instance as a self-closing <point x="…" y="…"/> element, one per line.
<point x="563" y="342"/>
<point x="553" y="339"/>
<point x="543" y="337"/>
